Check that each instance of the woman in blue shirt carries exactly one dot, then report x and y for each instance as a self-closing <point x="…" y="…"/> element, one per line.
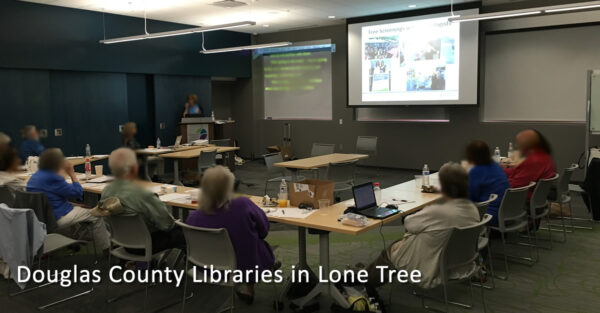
<point x="486" y="177"/>
<point x="191" y="106"/>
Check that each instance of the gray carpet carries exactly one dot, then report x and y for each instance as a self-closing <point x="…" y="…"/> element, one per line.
<point x="566" y="279"/>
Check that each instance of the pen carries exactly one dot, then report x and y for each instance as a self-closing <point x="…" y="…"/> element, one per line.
<point x="283" y="211"/>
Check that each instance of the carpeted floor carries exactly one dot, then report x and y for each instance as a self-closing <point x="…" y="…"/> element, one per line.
<point x="566" y="279"/>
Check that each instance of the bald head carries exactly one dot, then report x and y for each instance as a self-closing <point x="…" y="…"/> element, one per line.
<point x="123" y="163"/>
<point x="531" y="139"/>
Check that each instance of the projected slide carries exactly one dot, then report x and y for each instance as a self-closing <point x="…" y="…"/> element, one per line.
<point x="411" y="60"/>
<point x="418" y="60"/>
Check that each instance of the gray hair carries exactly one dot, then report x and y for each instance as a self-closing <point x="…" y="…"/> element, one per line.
<point x="121" y="161"/>
<point x="454" y="180"/>
<point x="51" y="159"/>
<point x="216" y="189"/>
<point x="26" y="131"/>
<point x="4" y="139"/>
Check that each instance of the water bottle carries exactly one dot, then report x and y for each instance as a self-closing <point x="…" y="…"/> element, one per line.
<point x="157" y="143"/>
<point x="283" y="190"/>
<point x="497" y="154"/>
<point x="88" y="161"/>
<point x="426" y="175"/>
<point x="377" y="191"/>
<point x="510" y="151"/>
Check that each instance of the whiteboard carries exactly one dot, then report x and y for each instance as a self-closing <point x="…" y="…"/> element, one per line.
<point x="595" y="102"/>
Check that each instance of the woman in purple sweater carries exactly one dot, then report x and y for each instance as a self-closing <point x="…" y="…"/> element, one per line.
<point x="245" y="222"/>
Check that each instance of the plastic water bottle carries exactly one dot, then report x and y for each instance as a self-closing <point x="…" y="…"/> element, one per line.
<point x="497" y="154"/>
<point x="426" y="175"/>
<point x="377" y="190"/>
<point x="88" y="161"/>
<point x="509" y="154"/>
<point x="283" y="190"/>
<point x="157" y="143"/>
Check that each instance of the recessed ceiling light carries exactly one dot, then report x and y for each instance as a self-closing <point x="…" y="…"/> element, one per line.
<point x="266" y="25"/>
<point x="331" y="16"/>
<point x="412" y="5"/>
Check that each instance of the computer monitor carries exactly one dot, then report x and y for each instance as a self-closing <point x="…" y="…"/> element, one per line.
<point x="364" y="196"/>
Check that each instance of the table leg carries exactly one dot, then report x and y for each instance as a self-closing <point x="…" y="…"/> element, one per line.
<point x="294" y="174"/>
<point x="146" y="170"/>
<point x="327" y="289"/>
<point x="176" y="180"/>
<point x="302" y="263"/>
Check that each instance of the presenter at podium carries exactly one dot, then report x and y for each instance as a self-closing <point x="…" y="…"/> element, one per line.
<point x="191" y="106"/>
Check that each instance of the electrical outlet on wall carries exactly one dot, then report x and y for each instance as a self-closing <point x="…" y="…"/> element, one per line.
<point x="341" y="121"/>
<point x="120" y="128"/>
<point x="163" y="125"/>
<point x="43" y="133"/>
<point x="58" y="132"/>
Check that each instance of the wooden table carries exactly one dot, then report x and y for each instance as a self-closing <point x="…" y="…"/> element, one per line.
<point x="318" y="162"/>
<point x="406" y="196"/>
<point x="81" y="160"/>
<point x="148" y="152"/>
<point x="192" y="154"/>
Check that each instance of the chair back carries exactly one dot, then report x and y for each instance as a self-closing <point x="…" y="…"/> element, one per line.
<point x="513" y="203"/>
<point x="342" y="172"/>
<point x="201" y="243"/>
<point x="222" y="142"/>
<point x="38" y="202"/>
<point x="462" y="246"/>
<point x="484" y="205"/>
<point x="130" y="231"/>
<point x="366" y="145"/>
<point x="207" y="159"/>
<point x="539" y="198"/>
<point x="6" y="196"/>
<point x="565" y="179"/>
<point x="270" y="160"/>
<point x="322" y="149"/>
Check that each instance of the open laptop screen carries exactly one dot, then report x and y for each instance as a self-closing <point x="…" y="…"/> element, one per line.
<point x="364" y="196"/>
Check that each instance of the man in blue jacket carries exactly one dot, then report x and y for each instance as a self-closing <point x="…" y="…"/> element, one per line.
<point x="31" y="146"/>
<point x="49" y="181"/>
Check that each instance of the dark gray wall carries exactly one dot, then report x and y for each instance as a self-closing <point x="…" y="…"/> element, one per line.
<point x="401" y="145"/>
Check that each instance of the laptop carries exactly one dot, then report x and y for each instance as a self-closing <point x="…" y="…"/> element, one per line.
<point x="177" y="142"/>
<point x="364" y="200"/>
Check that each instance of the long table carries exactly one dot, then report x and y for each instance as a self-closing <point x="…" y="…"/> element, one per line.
<point x="192" y="154"/>
<point x="318" y="162"/>
<point x="148" y="152"/>
<point x="81" y="160"/>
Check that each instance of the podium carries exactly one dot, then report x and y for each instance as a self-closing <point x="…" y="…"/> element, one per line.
<point x="205" y="128"/>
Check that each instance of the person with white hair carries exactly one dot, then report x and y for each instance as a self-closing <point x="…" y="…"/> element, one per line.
<point x="31" y="145"/>
<point x="428" y="230"/>
<point x="136" y="200"/>
<point x="4" y="140"/>
<point x="246" y="224"/>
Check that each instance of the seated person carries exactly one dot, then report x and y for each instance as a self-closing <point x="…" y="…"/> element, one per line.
<point x="4" y="140"/>
<point x="137" y="200"/>
<point x="31" y="145"/>
<point x="485" y="177"/>
<point x="538" y="163"/>
<point x="128" y="136"/>
<point x="428" y="230"/>
<point x="9" y="165"/>
<point x="245" y="222"/>
<point x="48" y="180"/>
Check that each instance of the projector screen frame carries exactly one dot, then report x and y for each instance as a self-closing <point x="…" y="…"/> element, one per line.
<point x="412" y="14"/>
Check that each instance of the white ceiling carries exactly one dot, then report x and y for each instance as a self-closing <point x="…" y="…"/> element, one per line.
<point x="270" y="15"/>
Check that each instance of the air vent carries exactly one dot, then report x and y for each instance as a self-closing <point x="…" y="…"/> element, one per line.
<point x="229" y="4"/>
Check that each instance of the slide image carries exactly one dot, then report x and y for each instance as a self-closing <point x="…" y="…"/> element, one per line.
<point x="381" y="48"/>
<point x="380" y="75"/>
<point x="424" y="79"/>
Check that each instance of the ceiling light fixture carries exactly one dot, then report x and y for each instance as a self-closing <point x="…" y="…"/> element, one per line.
<point x="412" y="6"/>
<point x="492" y="16"/>
<point x="177" y="32"/>
<point x="573" y="7"/>
<point x="251" y="47"/>
<point x="331" y="16"/>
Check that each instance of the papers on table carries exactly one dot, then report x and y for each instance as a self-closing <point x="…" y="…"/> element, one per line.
<point x="163" y="189"/>
<point x="156" y="150"/>
<point x="100" y="156"/>
<point x="288" y="212"/>
<point x="101" y="179"/>
<point x="74" y="157"/>
<point x="176" y="197"/>
<point x="94" y="186"/>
